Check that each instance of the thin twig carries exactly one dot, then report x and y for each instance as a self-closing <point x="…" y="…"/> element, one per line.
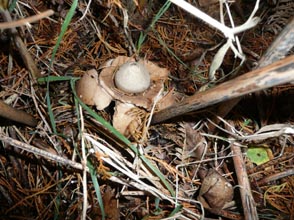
<point x="86" y="11"/>
<point x="25" y="55"/>
<point x="249" y="206"/>
<point x="42" y="153"/>
<point x="25" y="21"/>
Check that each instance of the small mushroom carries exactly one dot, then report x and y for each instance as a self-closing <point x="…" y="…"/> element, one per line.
<point x="90" y="92"/>
<point x="132" y="77"/>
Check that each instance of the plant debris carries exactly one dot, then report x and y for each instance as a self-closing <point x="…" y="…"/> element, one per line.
<point x="74" y="145"/>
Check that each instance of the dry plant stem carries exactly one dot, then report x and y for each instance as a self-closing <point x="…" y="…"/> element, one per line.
<point x="84" y="163"/>
<point x="275" y="177"/>
<point x="280" y="47"/>
<point x="13" y="114"/>
<point x="42" y="153"/>
<point x="22" y="22"/>
<point x="278" y="73"/>
<point x="26" y="56"/>
<point x="277" y="50"/>
<point x="228" y="32"/>
<point x="249" y="207"/>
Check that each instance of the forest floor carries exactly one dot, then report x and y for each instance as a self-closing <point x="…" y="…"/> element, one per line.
<point x="63" y="156"/>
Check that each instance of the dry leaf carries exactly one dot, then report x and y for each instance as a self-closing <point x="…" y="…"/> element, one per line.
<point x="215" y="191"/>
<point x="110" y="205"/>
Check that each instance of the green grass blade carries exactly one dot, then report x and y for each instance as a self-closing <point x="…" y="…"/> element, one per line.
<point x="162" y="10"/>
<point x="49" y="108"/>
<point x="65" y="24"/>
<point x="12" y="5"/>
<point x="55" y="78"/>
<point x="63" y="30"/>
<point x="141" y="40"/>
<point x="176" y="210"/>
<point x="159" y="174"/>
<point x="143" y="35"/>
<point x="98" y="193"/>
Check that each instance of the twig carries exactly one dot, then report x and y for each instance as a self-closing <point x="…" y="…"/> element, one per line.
<point x="249" y="206"/>
<point x="275" y="177"/>
<point x="24" y="21"/>
<point x="277" y="50"/>
<point x="84" y="163"/>
<point x="42" y="153"/>
<point x="261" y="167"/>
<point x="26" y="56"/>
<point x="5" y="110"/>
<point x="13" y="114"/>
<point x="278" y="73"/>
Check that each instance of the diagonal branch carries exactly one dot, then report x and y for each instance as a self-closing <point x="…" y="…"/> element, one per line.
<point x="278" y="73"/>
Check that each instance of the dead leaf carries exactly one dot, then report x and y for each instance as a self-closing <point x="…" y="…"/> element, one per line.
<point x="110" y="205"/>
<point x="215" y="191"/>
<point x="195" y="142"/>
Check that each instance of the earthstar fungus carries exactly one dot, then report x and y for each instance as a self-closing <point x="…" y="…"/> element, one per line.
<point x="133" y="85"/>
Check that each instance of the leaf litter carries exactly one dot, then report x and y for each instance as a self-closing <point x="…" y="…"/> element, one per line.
<point x="174" y="169"/>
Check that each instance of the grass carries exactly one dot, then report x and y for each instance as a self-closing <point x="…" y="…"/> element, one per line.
<point x="113" y="131"/>
<point x="152" y="171"/>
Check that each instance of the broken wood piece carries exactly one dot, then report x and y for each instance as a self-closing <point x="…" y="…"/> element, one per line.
<point x="279" y="47"/>
<point x="16" y="115"/>
<point x="282" y="45"/>
<point x="248" y="203"/>
<point x="42" y="153"/>
<point x="278" y="73"/>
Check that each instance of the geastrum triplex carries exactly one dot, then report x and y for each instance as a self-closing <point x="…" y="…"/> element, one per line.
<point x="133" y="85"/>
